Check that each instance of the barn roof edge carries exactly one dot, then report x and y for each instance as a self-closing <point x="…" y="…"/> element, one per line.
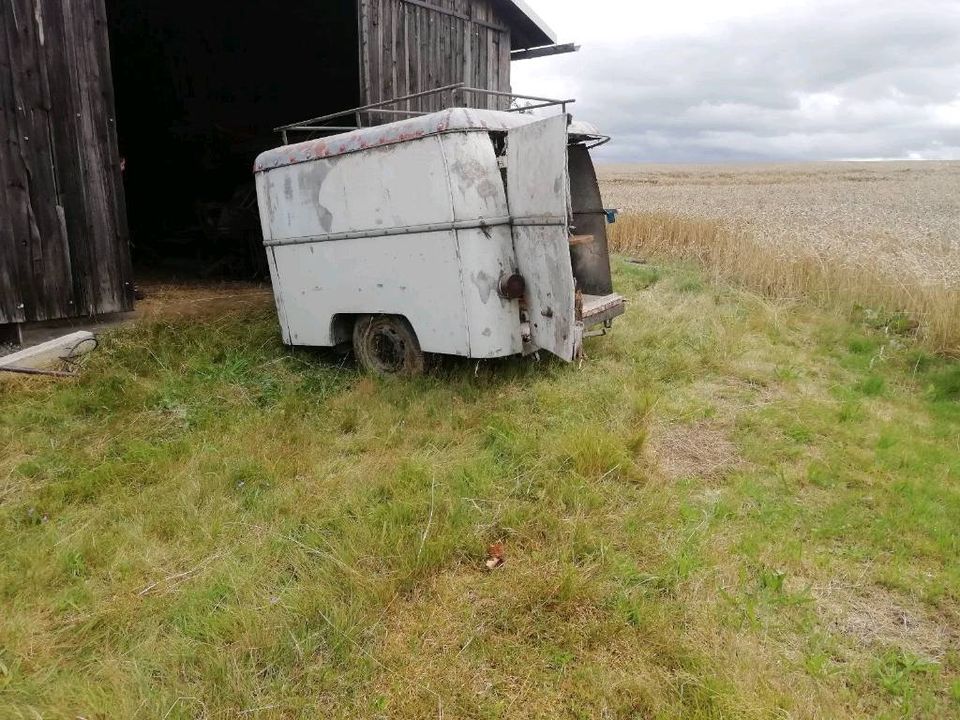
<point x="533" y="31"/>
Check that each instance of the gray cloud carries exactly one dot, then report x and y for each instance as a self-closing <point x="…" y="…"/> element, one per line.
<point x="834" y="80"/>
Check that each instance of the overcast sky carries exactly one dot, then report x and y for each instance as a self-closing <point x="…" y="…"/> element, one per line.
<point x="741" y="80"/>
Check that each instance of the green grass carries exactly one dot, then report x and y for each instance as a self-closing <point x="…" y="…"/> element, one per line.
<point x="734" y="508"/>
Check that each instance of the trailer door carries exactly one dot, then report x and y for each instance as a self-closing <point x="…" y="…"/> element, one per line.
<point x="538" y="189"/>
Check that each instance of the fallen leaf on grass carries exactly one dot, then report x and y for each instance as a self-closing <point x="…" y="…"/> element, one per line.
<point x="495" y="556"/>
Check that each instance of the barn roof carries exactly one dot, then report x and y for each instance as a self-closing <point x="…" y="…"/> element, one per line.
<point x="527" y="29"/>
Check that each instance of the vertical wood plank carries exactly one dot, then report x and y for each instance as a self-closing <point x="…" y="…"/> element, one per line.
<point x="493" y="72"/>
<point x="413" y="53"/>
<point x="96" y="214"/>
<point x="57" y="281"/>
<point x="387" y="48"/>
<point x="13" y="227"/>
<point x="430" y="59"/>
<point x="376" y="52"/>
<point x="403" y="54"/>
<point x="456" y="65"/>
<point x="504" y="84"/>
<point x="481" y="63"/>
<point x="398" y="62"/>
<point x="363" y="30"/>
<point x="43" y="261"/>
<point x="452" y="60"/>
<point x="68" y="151"/>
<point x="109" y="248"/>
<point x="443" y="53"/>
<point x="121" y="229"/>
<point x="465" y="29"/>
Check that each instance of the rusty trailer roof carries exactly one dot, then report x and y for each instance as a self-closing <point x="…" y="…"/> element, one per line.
<point x="445" y="121"/>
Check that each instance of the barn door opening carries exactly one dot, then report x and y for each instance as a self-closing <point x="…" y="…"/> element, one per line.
<point x="538" y="191"/>
<point x="199" y="88"/>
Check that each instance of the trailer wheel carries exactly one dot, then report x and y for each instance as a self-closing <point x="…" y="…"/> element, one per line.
<point x="387" y="345"/>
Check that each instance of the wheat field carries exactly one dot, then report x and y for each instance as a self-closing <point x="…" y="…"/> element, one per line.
<point x="881" y="238"/>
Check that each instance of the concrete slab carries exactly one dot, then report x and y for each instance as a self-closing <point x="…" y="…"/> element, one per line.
<point x="48" y="354"/>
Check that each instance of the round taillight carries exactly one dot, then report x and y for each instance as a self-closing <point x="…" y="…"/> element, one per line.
<point x="513" y="286"/>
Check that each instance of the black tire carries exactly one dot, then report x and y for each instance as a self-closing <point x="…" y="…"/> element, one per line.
<point x="386" y="345"/>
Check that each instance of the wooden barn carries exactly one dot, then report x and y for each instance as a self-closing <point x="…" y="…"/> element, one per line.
<point x="129" y="127"/>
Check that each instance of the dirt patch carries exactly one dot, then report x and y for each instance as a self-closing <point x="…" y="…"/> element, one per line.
<point x="731" y="396"/>
<point x="876" y="617"/>
<point x="702" y="450"/>
<point x="177" y="300"/>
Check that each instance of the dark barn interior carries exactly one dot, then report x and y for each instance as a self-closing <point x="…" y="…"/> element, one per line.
<point x="199" y="88"/>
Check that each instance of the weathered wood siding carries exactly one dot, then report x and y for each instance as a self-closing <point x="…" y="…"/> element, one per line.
<point x="408" y="46"/>
<point x="64" y="250"/>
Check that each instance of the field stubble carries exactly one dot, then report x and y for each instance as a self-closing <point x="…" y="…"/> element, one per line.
<point x="881" y="237"/>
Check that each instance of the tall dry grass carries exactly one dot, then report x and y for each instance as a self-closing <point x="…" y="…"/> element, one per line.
<point x="734" y="254"/>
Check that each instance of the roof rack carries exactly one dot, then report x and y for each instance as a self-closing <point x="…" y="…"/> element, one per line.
<point x="456" y="94"/>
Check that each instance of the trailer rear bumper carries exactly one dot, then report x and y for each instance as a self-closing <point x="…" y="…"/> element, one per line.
<point x="599" y="309"/>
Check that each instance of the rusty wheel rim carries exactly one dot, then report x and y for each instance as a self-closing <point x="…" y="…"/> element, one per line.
<point x="388" y="348"/>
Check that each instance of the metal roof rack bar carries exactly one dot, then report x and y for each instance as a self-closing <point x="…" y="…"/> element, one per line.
<point x="455" y="90"/>
<point x="372" y="106"/>
<point x="325" y="128"/>
<point x="515" y="96"/>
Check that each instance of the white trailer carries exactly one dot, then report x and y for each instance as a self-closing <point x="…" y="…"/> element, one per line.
<point x="473" y="233"/>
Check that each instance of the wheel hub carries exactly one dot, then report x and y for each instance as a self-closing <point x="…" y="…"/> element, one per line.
<point x="389" y="349"/>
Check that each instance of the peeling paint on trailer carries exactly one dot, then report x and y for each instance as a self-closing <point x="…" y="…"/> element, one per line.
<point x="417" y="242"/>
<point x="412" y="219"/>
